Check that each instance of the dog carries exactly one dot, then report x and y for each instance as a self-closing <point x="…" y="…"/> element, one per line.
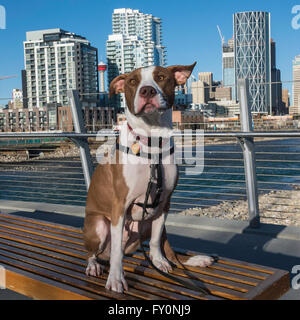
<point x="114" y="224"/>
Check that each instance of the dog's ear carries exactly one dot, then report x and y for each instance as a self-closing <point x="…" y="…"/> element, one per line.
<point x="182" y="73"/>
<point x="117" y="85"/>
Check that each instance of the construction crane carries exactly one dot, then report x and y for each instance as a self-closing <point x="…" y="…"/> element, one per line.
<point x="7" y="77"/>
<point x="221" y="36"/>
<point x="193" y="77"/>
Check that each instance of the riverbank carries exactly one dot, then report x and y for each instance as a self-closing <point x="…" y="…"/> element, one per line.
<point x="276" y="207"/>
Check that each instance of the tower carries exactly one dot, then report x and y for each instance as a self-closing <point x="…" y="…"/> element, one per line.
<point x="102" y="68"/>
<point x="252" y="46"/>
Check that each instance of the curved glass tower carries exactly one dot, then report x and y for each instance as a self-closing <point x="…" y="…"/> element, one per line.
<point x="252" y="45"/>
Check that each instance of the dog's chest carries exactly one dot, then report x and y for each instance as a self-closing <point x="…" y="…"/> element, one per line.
<point x="137" y="179"/>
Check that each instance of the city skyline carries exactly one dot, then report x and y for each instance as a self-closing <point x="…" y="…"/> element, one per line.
<point x="184" y="41"/>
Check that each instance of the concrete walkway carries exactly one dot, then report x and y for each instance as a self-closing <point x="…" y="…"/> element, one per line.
<point x="273" y="246"/>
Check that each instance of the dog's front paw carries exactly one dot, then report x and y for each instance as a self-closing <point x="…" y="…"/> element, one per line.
<point x="94" y="268"/>
<point x="116" y="283"/>
<point x="200" y="261"/>
<point x="162" y="264"/>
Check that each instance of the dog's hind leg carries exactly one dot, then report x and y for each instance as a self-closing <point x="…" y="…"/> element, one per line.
<point x="196" y="261"/>
<point x="97" y="242"/>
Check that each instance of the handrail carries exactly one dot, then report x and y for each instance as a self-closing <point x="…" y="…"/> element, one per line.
<point x="279" y="134"/>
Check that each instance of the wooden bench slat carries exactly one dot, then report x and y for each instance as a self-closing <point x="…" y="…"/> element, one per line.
<point x="275" y="286"/>
<point x="76" y="231"/>
<point x="60" y="276"/>
<point x="168" y="286"/>
<point x="211" y="271"/>
<point x="44" y="252"/>
<point x="53" y="230"/>
<point x="35" y="287"/>
<point x="240" y="287"/>
<point x="38" y="244"/>
<point x="81" y="270"/>
<point x="142" y="292"/>
<point x="9" y="262"/>
<point x="53" y="255"/>
<point x="231" y="262"/>
<point x="41" y="239"/>
<point x="214" y="290"/>
<point x="45" y="234"/>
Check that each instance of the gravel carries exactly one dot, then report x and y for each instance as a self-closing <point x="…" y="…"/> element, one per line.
<point x="276" y="207"/>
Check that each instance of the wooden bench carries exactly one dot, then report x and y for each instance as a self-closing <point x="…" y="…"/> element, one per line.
<point x="44" y="260"/>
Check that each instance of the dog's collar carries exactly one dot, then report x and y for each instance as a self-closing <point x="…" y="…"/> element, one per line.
<point x="156" y="157"/>
<point x="146" y="141"/>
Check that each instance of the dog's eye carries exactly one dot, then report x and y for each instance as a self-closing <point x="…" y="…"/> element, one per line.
<point x="161" y="78"/>
<point x="133" y="82"/>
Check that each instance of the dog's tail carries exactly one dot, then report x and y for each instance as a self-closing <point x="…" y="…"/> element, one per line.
<point x="182" y="259"/>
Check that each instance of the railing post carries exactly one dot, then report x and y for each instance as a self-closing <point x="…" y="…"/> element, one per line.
<point x="79" y="127"/>
<point x="249" y="155"/>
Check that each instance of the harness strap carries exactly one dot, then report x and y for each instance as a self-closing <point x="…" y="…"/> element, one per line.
<point x="202" y="291"/>
<point x="159" y="189"/>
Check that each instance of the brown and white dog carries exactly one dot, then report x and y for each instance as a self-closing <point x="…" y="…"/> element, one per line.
<point x="113" y="224"/>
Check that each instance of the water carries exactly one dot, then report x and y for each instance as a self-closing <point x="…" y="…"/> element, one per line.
<point x="61" y="180"/>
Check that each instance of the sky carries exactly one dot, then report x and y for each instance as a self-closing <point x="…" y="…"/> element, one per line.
<point x="189" y="29"/>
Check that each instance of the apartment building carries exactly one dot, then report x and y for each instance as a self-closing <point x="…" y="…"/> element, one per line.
<point x="57" y="61"/>
<point x="136" y="41"/>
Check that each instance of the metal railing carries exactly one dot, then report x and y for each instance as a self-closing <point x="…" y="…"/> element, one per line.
<point x="55" y="175"/>
<point x="247" y="175"/>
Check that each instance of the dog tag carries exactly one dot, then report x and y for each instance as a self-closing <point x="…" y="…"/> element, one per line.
<point x="136" y="148"/>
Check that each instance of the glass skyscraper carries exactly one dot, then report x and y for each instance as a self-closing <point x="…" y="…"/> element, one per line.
<point x="252" y="44"/>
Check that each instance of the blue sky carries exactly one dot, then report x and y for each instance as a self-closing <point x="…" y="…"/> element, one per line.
<point x="189" y="29"/>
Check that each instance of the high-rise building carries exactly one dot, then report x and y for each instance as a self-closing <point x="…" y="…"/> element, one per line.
<point x="223" y="94"/>
<point x="144" y="26"/>
<point x="276" y="87"/>
<point x="286" y="98"/>
<point x="136" y="42"/>
<point x="200" y="92"/>
<point x="207" y="79"/>
<point x="296" y="84"/>
<point x="17" y="99"/>
<point x="228" y="66"/>
<point x="252" y="44"/>
<point x="56" y="61"/>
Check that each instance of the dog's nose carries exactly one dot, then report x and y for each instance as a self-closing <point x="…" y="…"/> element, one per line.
<point x="147" y="92"/>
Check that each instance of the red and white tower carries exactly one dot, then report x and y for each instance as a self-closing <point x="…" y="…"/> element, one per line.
<point x="102" y="68"/>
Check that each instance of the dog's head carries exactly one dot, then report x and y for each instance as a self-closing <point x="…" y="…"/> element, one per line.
<point x="150" y="90"/>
